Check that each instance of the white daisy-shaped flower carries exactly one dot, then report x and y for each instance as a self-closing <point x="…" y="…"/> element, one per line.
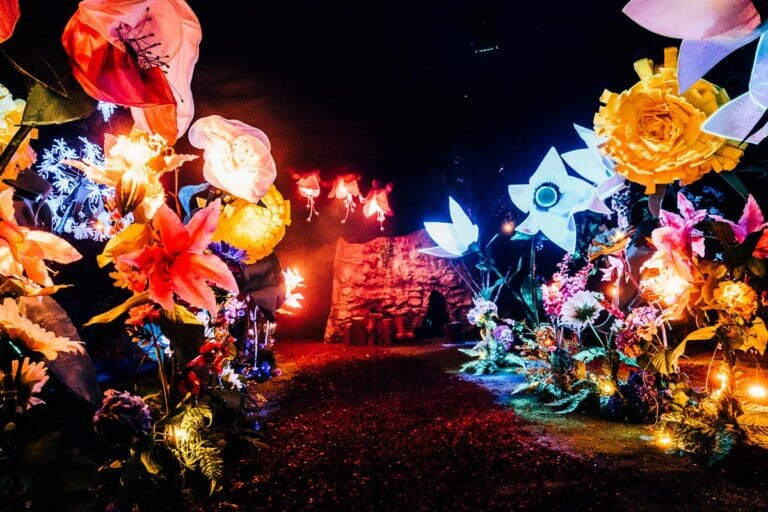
<point x="594" y="167"/>
<point x="550" y="199"/>
<point x="453" y="238"/>
<point x="581" y="309"/>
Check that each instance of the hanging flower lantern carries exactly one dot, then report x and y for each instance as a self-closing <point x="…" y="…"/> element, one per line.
<point x="377" y="202"/>
<point x="346" y="188"/>
<point x="138" y="54"/>
<point x="309" y="188"/>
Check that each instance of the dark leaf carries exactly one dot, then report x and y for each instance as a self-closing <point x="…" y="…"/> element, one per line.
<point x="74" y="370"/>
<point x="47" y="107"/>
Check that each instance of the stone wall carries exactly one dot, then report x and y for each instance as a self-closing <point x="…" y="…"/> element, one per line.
<point x="389" y="276"/>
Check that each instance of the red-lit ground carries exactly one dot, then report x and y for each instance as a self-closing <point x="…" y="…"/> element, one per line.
<point x="358" y="428"/>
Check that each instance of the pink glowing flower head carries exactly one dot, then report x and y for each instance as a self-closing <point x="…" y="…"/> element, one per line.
<point x="309" y="187"/>
<point x="377" y="203"/>
<point x="678" y="233"/>
<point x="751" y="220"/>
<point x="139" y="54"/>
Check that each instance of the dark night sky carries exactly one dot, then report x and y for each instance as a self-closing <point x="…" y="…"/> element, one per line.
<point x="394" y="90"/>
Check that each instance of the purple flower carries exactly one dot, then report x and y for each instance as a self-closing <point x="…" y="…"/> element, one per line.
<point x="123" y="418"/>
<point x="229" y="254"/>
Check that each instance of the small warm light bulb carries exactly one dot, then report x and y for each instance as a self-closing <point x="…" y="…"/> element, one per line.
<point x="757" y="391"/>
<point x="722" y="377"/>
<point x="508" y="227"/>
<point x="663" y="440"/>
<point x="607" y="388"/>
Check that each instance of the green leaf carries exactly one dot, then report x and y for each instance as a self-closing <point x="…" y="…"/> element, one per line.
<point x="735" y="182"/>
<point x="703" y="334"/>
<point x="74" y="370"/>
<point x="114" y="313"/>
<point x="589" y="355"/>
<point x="531" y="293"/>
<point x="757" y="337"/>
<point x="756" y="267"/>
<point x="47" y="107"/>
<point x="629" y="361"/>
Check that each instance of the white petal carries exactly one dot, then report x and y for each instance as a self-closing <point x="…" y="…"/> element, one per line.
<point x="466" y="231"/>
<point x="444" y="235"/>
<point x="610" y="186"/>
<point x="438" y="252"/>
<point x="758" y="80"/>
<point x="522" y="196"/>
<point x="560" y="231"/>
<point x="697" y="57"/>
<point x="576" y="196"/>
<point x="584" y="162"/>
<point x="550" y="170"/>
<point x="529" y="226"/>
<point x="735" y="120"/>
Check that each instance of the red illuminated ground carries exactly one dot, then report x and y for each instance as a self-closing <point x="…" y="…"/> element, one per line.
<point x="357" y="428"/>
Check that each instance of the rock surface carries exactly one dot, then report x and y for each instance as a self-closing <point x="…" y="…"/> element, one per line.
<point x="389" y="276"/>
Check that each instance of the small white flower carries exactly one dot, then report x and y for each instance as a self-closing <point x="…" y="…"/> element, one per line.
<point x="453" y="238"/>
<point x="231" y="379"/>
<point x="581" y="309"/>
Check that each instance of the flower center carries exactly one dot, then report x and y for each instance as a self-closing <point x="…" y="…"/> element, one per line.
<point x="546" y="196"/>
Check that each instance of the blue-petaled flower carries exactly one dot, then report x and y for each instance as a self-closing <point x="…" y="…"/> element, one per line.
<point x="550" y="199"/>
<point x="231" y="255"/>
<point x="453" y="238"/>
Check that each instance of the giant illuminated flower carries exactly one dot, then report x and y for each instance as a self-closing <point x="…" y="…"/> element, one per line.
<point x="177" y="261"/>
<point x="667" y="279"/>
<point x="710" y="29"/>
<point x="11" y="112"/>
<point x="9" y="16"/>
<point x="22" y="250"/>
<point x="133" y="165"/>
<point x="595" y="167"/>
<point x="453" y="238"/>
<point x="255" y="228"/>
<point x="655" y="135"/>
<point x="139" y="54"/>
<point x="550" y="199"/>
<point x="237" y="156"/>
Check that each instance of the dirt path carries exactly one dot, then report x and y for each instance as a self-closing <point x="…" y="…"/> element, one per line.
<point x="376" y="429"/>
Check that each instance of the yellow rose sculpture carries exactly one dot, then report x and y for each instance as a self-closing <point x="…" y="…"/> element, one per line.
<point x="654" y="134"/>
<point x="738" y="298"/>
<point x="255" y="227"/>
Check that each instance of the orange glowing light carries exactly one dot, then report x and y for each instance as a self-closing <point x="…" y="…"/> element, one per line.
<point x="663" y="440"/>
<point x="309" y="187"/>
<point x="757" y="391"/>
<point x="606" y="387"/>
<point x="508" y="227"/>
<point x="346" y="188"/>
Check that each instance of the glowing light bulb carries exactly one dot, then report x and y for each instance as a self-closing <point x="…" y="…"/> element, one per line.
<point x="663" y="440"/>
<point x="757" y="391"/>
<point x="508" y="227"/>
<point x="607" y="388"/>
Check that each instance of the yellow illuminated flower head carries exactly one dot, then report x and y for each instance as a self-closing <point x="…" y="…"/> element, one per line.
<point x="654" y="134"/>
<point x="256" y="228"/>
<point x="134" y="164"/>
<point x="737" y="298"/>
